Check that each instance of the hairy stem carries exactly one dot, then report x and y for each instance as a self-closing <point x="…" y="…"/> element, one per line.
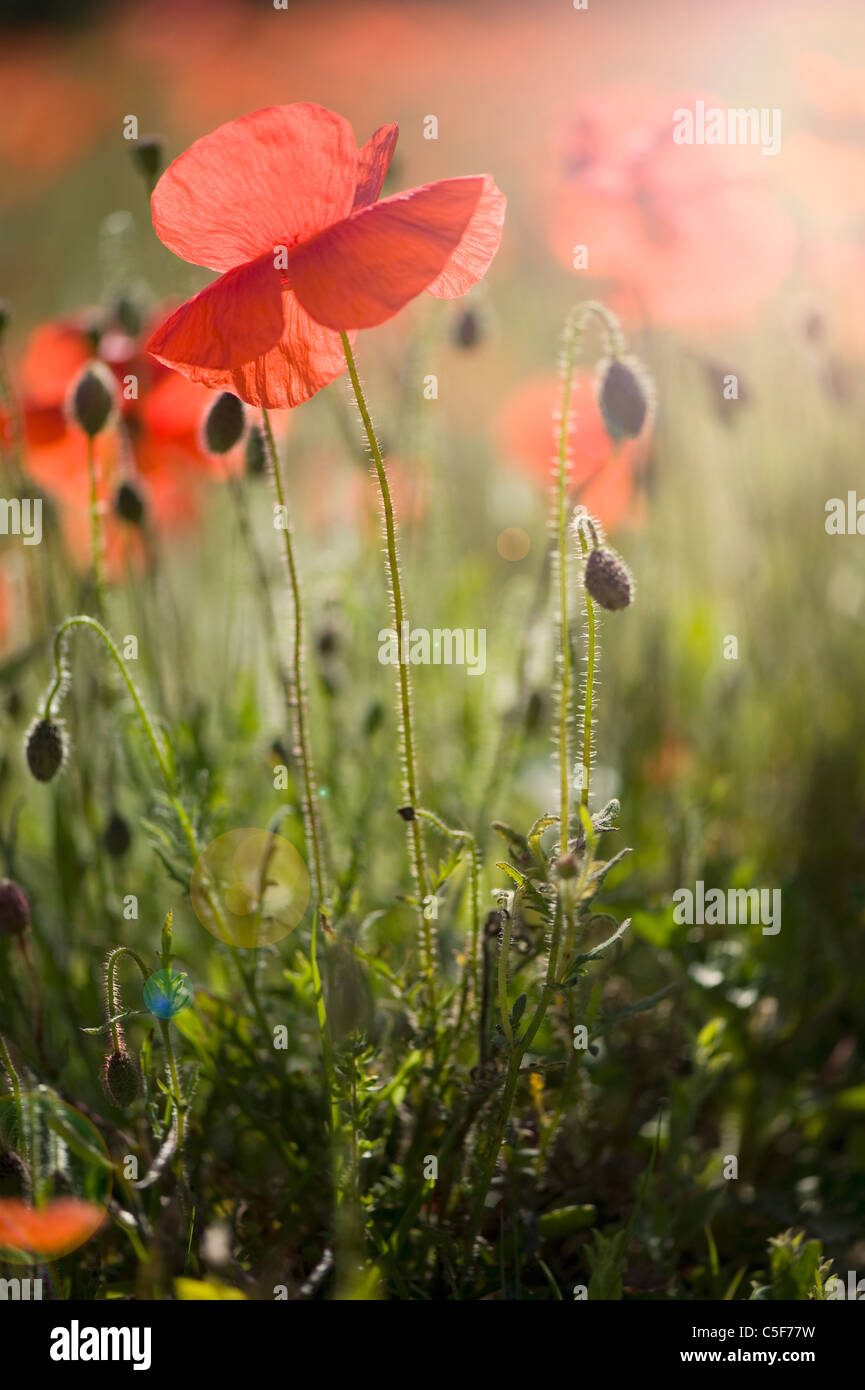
<point x="410" y="780"/>
<point x="303" y="750"/>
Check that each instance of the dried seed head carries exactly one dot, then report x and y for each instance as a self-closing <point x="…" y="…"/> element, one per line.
<point x="224" y="424"/>
<point x="117" y="836"/>
<point x="45" y="748"/>
<point x="608" y="579"/>
<point x="13" y="1174"/>
<point x="624" y="397"/>
<point x="91" y="398"/>
<point x="129" y="503"/>
<point x="120" y="1075"/>
<point x="14" y="909"/>
<point x="256" y="458"/>
<point x="147" y="154"/>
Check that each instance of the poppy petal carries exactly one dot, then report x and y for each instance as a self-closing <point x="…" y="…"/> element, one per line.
<point x="235" y="319"/>
<point x="364" y="269"/>
<point x="54" y="1230"/>
<point x="373" y="162"/>
<point x="480" y="242"/>
<point x="272" y="178"/>
<point x="306" y="358"/>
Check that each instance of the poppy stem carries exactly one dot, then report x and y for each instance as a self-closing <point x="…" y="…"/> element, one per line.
<point x="572" y="345"/>
<point x="410" y="782"/>
<point x="95" y="526"/>
<point x="303" y="749"/>
<point x="164" y="759"/>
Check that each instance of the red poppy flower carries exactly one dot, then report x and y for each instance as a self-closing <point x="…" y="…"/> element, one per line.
<point x="285" y="206"/>
<point x="689" y="234"/>
<point x="156" y="447"/>
<point x="50" y="1231"/>
<point x="603" y="474"/>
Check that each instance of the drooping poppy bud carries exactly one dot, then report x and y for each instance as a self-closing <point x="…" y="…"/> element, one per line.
<point x="256" y="458"/>
<point x="14" y="909"/>
<point x="608" y="579"/>
<point x="224" y="424"/>
<point x="147" y="154"/>
<point x="92" y="397"/>
<point x="121" y="1078"/>
<point x="469" y="329"/>
<point x="45" y="749"/>
<point x="624" y="395"/>
<point x="129" y="503"/>
<point x="117" y="836"/>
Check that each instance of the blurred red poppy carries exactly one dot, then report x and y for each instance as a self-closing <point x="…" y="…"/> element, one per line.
<point x="50" y="1231"/>
<point x="156" y="448"/>
<point x="603" y="474"/>
<point x="285" y="206"/>
<point x="688" y="234"/>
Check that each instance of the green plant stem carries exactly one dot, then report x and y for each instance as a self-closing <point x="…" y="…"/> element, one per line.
<point x="95" y="525"/>
<point x="112" y="1000"/>
<point x="179" y="1107"/>
<point x="304" y="750"/>
<point x="470" y="971"/>
<point x="410" y="780"/>
<point x="591" y="654"/>
<point x="163" y="763"/>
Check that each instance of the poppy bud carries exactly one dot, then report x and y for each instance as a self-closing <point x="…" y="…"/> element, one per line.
<point x="608" y="579"/>
<point x="45" y="749"/>
<point x="129" y="504"/>
<point x="14" y="909"/>
<point x="223" y="424"/>
<point x="566" y="866"/>
<point x="469" y="329"/>
<point x="92" y="398"/>
<point x="256" y="458"/>
<point x="128" y="314"/>
<point x="147" y="154"/>
<point x="13" y="1174"/>
<point x="117" y="836"/>
<point x="120" y="1075"/>
<point x="623" y="397"/>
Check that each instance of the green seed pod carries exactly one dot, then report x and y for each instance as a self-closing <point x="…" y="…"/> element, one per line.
<point x="224" y="424"/>
<point x="624" y="394"/>
<point x="608" y="579"/>
<point x="120" y="1075"/>
<point x="13" y="1174"/>
<point x="256" y="457"/>
<point x="45" y="749"/>
<point x="14" y="909"/>
<point x="129" y="504"/>
<point x="117" y="836"/>
<point x="92" y="397"/>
